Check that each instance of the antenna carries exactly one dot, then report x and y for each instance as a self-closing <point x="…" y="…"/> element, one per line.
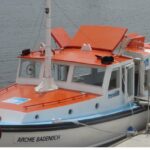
<point x="47" y="82"/>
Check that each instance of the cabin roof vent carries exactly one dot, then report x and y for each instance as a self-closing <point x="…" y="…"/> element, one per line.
<point x="86" y="47"/>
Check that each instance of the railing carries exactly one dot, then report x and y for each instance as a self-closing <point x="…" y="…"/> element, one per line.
<point x="56" y="101"/>
<point x="7" y="88"/>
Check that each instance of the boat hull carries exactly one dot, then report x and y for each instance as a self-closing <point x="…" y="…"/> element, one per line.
<point x="71" y="135"/>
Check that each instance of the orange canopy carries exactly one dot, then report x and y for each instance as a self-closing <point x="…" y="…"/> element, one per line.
<point x="100" y="37"/>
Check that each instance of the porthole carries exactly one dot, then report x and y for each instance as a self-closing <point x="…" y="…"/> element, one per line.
<point x="37" y="117"/>
<point x="70" y="111"/>
<point x="96" y="105"/>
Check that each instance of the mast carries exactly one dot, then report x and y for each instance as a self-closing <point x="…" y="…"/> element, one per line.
<point x="48" y="40"/>
<point x="47" y="83"/>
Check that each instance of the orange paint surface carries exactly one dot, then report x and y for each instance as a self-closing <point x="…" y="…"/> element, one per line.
<point x="40" y="101"/>
<point x="137" y="45"/>
<point x="61" y="37"/>
<point x="137" y="41"/>
<point x="99" y="37"/>
<point x="89" y="58"/>
<point x="103" y="39"/>
<point x="147" y="45"/>
<point x="79" y="56"/>
<point x="139" y="51"/>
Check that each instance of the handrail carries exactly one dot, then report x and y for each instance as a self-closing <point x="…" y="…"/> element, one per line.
<point x="57" y="101"/>
<point x="7" y="88"/>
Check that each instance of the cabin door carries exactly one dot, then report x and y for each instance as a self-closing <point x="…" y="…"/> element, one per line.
<point x="128" y="82"/>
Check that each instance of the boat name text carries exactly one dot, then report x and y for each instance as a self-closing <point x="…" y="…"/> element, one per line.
<point x="38" y="139"/>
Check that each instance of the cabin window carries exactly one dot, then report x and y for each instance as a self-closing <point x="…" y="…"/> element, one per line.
<point x="87" y="75"/>
<point x="147" y="79"/>
<point x="114" y="80"/>
<point x="30" y="69"/>
<point x="60" y="72"/>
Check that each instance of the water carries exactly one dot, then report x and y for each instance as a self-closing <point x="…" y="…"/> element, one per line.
<point x="21" y="23"/>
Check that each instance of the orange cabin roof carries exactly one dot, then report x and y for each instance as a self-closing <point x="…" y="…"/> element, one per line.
<point x="137" y="41"/>
<point x="103" y="39"/>
<point x="89" y="58"/>
<point x="138" y="45"/>
<point x="79" y="56"/>
<point x="99" y="37"/>
<point x="142" y="51"/>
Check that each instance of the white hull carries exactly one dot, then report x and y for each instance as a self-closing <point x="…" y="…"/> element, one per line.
<point x="75" y="137"/>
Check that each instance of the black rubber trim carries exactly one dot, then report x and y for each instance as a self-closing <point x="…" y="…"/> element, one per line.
<point x="68" y="125"/>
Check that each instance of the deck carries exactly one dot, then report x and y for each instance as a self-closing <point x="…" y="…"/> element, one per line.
<point x="24" y="98"/>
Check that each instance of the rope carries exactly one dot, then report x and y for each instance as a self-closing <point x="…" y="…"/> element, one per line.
<point x="88" y="126"/>
<point x="97" y="129"/>
<point x="106" y="131"/>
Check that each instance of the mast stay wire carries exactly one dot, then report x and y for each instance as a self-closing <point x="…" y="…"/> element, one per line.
<point x="40" y="29"/>
<point x="75" y="24"/>
<point x="41" y="13"/>
<point x="69" y="19"/>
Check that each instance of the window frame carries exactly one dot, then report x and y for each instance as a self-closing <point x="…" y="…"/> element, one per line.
<point x="118" y="79"/>
<point x="63" y="64"/>
<point x="30" y="60"/>
<point x="148" y="79"/>
<point x="29" y="81"/>
<point x="92" y="67"/>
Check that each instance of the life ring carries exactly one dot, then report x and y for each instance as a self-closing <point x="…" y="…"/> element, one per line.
<point x="30" y="69"/>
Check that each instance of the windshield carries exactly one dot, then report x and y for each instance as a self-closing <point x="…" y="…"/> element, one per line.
<point x="30" y="69"/>
<point x="88" y="75"/>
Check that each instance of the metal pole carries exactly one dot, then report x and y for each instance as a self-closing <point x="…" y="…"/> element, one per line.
<point x="47" y="83"/>
<point x="47" y="71"/>
<point x="148" y="115"/>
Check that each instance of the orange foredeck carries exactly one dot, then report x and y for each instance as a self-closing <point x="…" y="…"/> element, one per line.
<point x="53" y="99"/>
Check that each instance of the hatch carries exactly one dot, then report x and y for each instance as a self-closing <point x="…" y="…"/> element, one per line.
<point x="99" y="37"/>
